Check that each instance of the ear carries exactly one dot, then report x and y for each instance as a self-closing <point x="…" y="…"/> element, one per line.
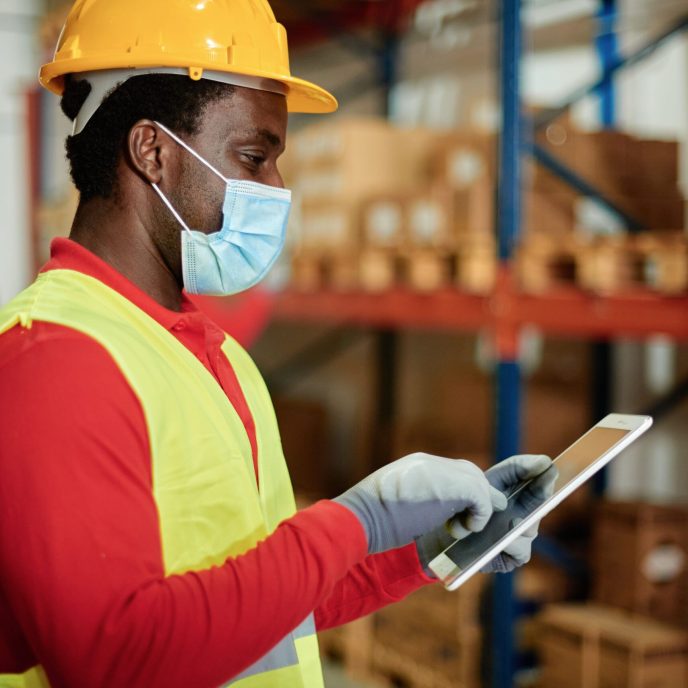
<point x="149" y="151"/>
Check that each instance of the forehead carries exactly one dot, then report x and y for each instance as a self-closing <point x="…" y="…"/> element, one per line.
<point x="248" y="112"/>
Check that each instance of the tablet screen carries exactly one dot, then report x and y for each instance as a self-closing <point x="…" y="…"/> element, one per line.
<point x="570" y="463"/>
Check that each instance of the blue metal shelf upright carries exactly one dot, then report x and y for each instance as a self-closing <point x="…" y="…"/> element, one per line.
<point x="507" y="374"/>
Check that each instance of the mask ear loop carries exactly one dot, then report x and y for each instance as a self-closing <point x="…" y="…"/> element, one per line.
<point x="171" y="208"/>
<point x="196" y="155"/>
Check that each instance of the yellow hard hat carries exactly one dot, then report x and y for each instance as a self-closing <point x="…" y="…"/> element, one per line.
<point x="201" y="37"/>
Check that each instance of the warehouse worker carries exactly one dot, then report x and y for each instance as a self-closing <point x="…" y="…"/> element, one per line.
<point x="148" y="534"/>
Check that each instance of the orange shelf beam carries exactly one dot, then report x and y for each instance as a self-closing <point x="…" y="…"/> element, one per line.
<point x="562" y="311"/>
<point x="396" y="308"/>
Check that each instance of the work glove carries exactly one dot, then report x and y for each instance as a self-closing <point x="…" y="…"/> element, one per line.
<point x="504" y="477"/>
<point x="418" y="494"/>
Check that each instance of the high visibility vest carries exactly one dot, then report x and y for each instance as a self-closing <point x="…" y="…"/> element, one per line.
<point x="204" y="482"/>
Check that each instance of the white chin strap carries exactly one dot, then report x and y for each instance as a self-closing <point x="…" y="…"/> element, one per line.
<point x="105" y="81"/>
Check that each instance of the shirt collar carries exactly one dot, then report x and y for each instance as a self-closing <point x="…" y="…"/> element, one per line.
<point x="66" y="254"/>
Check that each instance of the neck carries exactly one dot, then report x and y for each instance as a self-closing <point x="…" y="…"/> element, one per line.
<point x="118" y="235"/>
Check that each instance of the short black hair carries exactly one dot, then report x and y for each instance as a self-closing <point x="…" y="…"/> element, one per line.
<point x="177" y="102"/>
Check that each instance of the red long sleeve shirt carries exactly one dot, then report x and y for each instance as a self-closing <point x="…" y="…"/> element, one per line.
<point x="82" y="585"/>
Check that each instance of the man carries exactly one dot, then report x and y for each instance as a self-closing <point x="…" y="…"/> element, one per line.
<point x="148" y="533"/>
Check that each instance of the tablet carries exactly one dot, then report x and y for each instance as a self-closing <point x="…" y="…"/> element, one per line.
<point x="577" y="464"/>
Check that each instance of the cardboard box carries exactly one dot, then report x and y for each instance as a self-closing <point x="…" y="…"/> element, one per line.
<point x="463" y="159"/>
<point x="648" y="545"/>
<point x="354" y="158"/>
<point x="591" y="646"/>
<point x="383" y="221"/>
<point x="613" y="162"/>
<point x="653" y="212"/>
<point x="433" y="217"/>
<point x="552" y="213"/>
<point x="329" y="225"/>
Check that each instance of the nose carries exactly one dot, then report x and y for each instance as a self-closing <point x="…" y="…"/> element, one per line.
<point x="275" y="178"/>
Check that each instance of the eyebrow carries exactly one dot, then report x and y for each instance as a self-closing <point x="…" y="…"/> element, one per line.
<point x="268" y="136"/>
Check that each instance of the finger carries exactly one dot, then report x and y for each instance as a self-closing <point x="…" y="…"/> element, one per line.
<point x="543" y="485"/>
<point x="456" y="529"/>
<point x="458" y="525"/>
<point x="499" y="501"/>
<point x="480" y="510"/>
<point x="501" y="564"/>
<point x="516" y="469"/>
<point x="520" y="550"/>
<point x="530" y="533"/>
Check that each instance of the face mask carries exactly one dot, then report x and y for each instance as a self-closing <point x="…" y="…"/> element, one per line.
<point x="239" y="255"/>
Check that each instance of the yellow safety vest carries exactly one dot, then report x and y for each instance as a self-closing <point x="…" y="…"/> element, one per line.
<point x="204" y="482"/>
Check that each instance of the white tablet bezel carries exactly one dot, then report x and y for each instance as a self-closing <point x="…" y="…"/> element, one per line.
<point x="452" y="576"/>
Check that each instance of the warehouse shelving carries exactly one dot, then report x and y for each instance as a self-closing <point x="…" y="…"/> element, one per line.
<point x="562" y="311"/>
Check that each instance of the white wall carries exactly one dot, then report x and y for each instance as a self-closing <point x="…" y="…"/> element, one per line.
<point x="18" y="68"/>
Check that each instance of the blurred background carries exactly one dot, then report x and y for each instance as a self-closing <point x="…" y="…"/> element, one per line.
<point x="487" y="253"/>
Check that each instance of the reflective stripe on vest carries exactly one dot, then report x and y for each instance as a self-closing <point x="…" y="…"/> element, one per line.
<point x="202" y="465"/>
<point x="284" y="654"/>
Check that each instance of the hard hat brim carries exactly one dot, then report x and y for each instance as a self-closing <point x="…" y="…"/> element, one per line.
<point x="302" y="96"/>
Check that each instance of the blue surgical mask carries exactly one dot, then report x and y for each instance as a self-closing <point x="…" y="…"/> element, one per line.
<point x="238" y="256"/>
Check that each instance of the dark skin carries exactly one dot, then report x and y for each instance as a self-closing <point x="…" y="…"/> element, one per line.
<point x="241" y="135"/>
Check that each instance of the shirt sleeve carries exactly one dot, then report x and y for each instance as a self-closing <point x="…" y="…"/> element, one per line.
<point x="379" y="580"/>
<point x="80" y="553"/>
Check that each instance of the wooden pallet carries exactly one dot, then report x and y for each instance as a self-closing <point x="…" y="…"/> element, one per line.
<point x="543" y="262"/>
<point x="476" y="267"/>
<point x="411" y="659"/>
<point x="605" y="265"/>
<point x="429" y="640"/>
<point x="471" y="269"/>
<point x="314" y="270"/>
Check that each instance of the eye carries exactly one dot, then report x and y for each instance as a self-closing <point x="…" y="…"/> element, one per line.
<point x="254" y="159"/>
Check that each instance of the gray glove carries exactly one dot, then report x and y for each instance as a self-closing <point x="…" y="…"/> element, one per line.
<point x="418" y="494"/>
<point x="505" y="476"/>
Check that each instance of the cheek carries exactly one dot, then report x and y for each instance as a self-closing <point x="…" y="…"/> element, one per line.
<point x="200" y="200"/>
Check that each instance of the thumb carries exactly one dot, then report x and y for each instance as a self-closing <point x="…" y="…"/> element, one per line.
<point x="459" y="525"/>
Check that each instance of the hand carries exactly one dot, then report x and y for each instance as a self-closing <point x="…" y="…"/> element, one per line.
<point x="418" y="494"/>
<point x="504" y="477"/>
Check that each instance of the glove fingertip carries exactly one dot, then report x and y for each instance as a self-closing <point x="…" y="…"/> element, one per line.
<point x="456" y="530"/>
<point x="498" y="498"/>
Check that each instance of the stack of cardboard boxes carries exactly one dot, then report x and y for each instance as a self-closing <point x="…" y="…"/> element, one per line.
<point x="591" y="646"/>
<point x="648" y="545"/>
<point x="635" y="633"/>
<point x="382" y="206"/>
<point x="572" y="239"/>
